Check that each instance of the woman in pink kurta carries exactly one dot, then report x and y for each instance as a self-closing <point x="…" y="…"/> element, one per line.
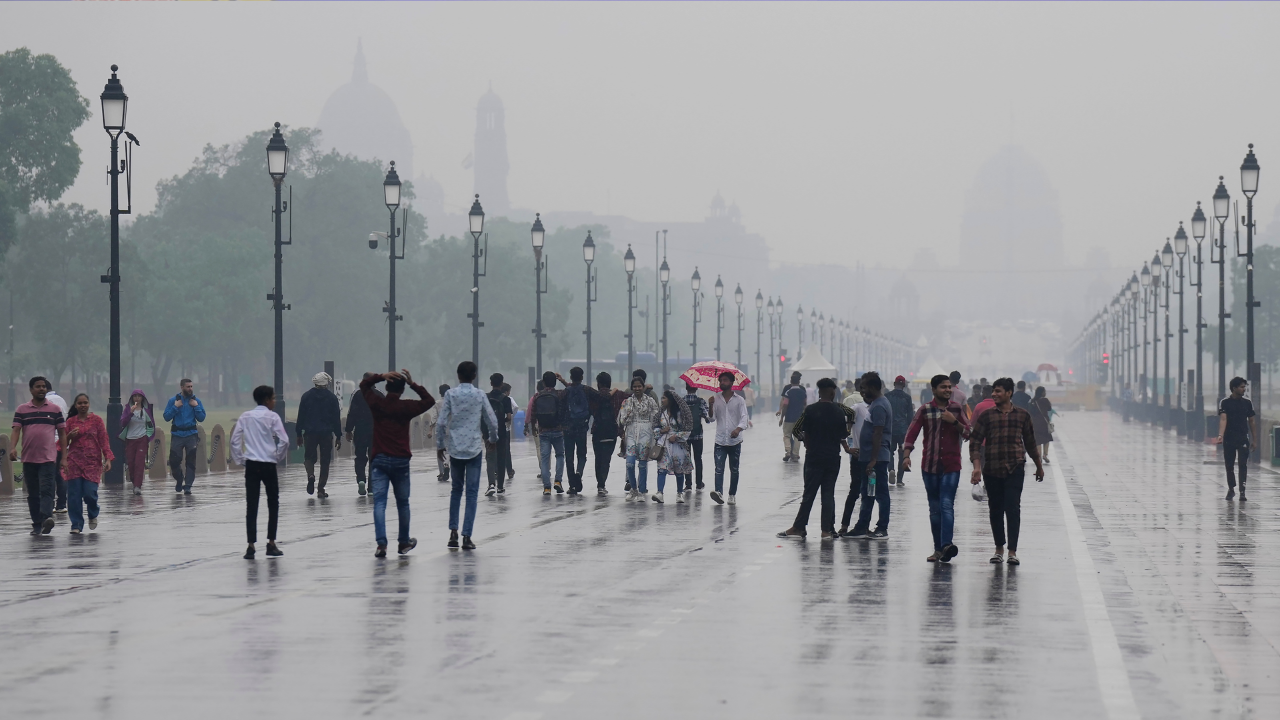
<point x="88" y="456"/>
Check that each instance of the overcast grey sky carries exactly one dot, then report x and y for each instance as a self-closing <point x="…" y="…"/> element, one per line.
<point x="839" y="128"/>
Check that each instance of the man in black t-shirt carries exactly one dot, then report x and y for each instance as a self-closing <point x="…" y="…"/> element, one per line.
<point x="1237" y="433"/>
<point x="822" y="428"/>
<point x="789" y="411"/>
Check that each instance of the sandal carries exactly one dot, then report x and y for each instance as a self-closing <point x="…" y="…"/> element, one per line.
<point x="997" y="559"/>
<point x="1013" y="560"/>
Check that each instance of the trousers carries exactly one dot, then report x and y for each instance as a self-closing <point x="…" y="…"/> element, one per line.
<point x="790" y="445"/>
<point x="695" y="452"/>
<point x="820" y="474"/>
<point x="257" y="475"/>
<point x="135" y="457"/>
<point x="187" y="444"/>
<point x="1231" y="454"/>
<point x="40" y="480"/>
<point x="575" y="451"/>
<point x="317" y="443"/>
<point x="496" y="462"/>
<point x="941" y="491"/>
<point x="733" y="453"/>
<point x="603" y="450"/>
<point x="361" y="443"/>
<point x="881" y="497"/>
<point x="1004" y="501"/>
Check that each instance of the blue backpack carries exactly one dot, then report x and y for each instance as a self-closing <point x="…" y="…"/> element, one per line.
<point x="579" y="408"/>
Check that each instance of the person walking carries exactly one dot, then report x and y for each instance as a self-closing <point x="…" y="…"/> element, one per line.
<point x="636" y="419"/>
<point x="605" y="406"/>
<point x="511" y="412"/>
<point x="998" y="442"/>
<point x="729" y="413"/>
<point x="260" y="443"/>
<point x="1237" y="433"/>
<point x="860" y="416"/>
<point x="498" y="458"/>
<point x="137" y="428"/>
<point x="575" y="428"/>
<point x="390" y="450"/>
<point x="981" y="401"/>
<point x="36" y="429"/>
<point x="822" y="429"/>
<point x="88" y="456"/>
<point x="957" y="392"/>
<point x="698" y="411"/>
<point x="873" y="455"/>
<point x="359" y="431"/>
<point x="791" y="407"/>
<point x="319" y="429"/>
<point x="944" y="426"/>
<point x="183" y="411"/>
<point x="433" y="418"/>
<point x="1042" y="420"/>
<point x="60" y="506"/>
<point x="674" y="424"/>
<point x="1021" y="397"/>
<point x="903" y="409"/>
<point x="550" y="413"/>
<point x="468" y="421"/>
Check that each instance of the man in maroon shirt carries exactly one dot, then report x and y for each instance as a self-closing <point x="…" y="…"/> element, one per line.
<point x="944" y="425"/>
<point x="998" y="443"/>
<point x="389" y="452"/>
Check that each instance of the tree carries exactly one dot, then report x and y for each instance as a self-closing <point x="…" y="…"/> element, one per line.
<point x="40" y="107"/>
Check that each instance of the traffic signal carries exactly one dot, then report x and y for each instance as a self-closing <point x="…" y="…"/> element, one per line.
<point x="1106" y="358"/>
<point x="784" y="364"/>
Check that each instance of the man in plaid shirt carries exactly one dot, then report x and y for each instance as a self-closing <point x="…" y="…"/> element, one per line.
<point x="945" y="426"/>
<point x="999" y="439"/>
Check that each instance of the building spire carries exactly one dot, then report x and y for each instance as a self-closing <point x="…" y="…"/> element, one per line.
<point x="359" y="74"/>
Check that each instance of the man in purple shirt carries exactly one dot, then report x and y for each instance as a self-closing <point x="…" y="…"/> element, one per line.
<point x="35" y="426"/>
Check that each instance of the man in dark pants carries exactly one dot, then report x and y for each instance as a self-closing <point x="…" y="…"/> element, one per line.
<point x="319" y="423"/>
<point x="873" y="455"/>
<point x="605" y="404"/>
<point x="40" y="429"/>
<point x="498" y="455"/>
<point x="998" y="442"/>
<point x="697" y="408"/>
<point x="183" y="411"/>
<point x="822" y="428"/>
<point x="575" y="431"/>
<point x="360" y="433"/>
<point x="1237" y="433"/>
<point x="903" y="410"/>
<point x="265" y="445"/>
<point x="389" y="468"/>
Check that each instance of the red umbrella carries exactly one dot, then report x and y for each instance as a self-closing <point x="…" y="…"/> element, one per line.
<point x="706" y="375"/>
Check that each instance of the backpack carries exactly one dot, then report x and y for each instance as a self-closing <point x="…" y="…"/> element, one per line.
<point x="499" y="406"/>
<point x="579" y="409"/>
<point x="546" y="409"/>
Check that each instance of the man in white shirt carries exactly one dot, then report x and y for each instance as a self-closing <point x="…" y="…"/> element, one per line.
<point x="729" y="413"/>
<point x="861" y="412"/>
<point x="265" y="445"/>
<point x="61" y="482"/>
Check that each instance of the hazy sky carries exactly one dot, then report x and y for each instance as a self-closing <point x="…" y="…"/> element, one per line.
<point x="851" y="129"/>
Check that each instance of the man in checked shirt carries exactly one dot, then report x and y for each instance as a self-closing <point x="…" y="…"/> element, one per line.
<point x="998" y="441"/>
<point x="945" y="426"/>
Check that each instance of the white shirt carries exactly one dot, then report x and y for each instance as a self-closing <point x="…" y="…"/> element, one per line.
<point x="861" y="413"/>
<point x="729" y="415"/>
<point x="810" y="395"/>
<point x="56" y="399"/>
<point x="263" y="436"/>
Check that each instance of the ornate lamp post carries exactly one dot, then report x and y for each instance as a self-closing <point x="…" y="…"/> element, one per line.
<point x="664" y="276"/>
<point x="719" y="314"/>
<point x="391" y="197"/>
<point x="799" y="331"/>
<point x="759" y="330"/>
<point x="1180" y="249"/>
<point x="538" y="235"/>
<point x="695" y="282"/>
<point x="1198" y="223"/>
<point x="822" y="335"/>
<point x="1156" y="273"/>
<point x="629" y="264"/>
<point x="277" y="167"/>
<point x="1249" y="172"/>
<point x="1221" y="211"/>
<point x="772" y="374"/>
<point x="1166" y="264"/>
<point x="737" y="299"/>
<point x="475" y="220"/>
<point x="589" y="255"/>
<point x="115" y="105"/>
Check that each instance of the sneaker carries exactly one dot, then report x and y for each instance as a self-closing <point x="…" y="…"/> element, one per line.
<point x="657" y="497"/>
<point x="1231" y="493"/>
<point x="75" y="531"/>
<point x="137" y="491"/>
<point x="453" y="539"/>
<point x="502" y="491"/>
<point x="177" y="491"/>
<point x="786" y="458"/>
<point x="1242" y="497"/>
<point x="47" y="526"/>
<point x="546" y="491"/>
<point x="321" y="493"/>
<point x="949" y="552"/>
<point x="273" y="551"/>
<point x="248" y="554"/>
<point x="559" y="488"/>
<point x="467" y="544"/>
<point x="405" y="547"/>
<point x="716" y="496"/>
<point x="177" y="488"/>
<point x="511" y="475"/>
<point x="789" y="534"/>
<point x="573" y="492"/>
<point x="828" y="536"/>
<point x="186" y="492"/>
<point x="626" y="488"/>
<point x="491" y="491"/>
<point x="700" y="486"/>
<point x="60" y="510"/>
<point x="381" y="552"/>
<point x="311" y="486"/>
<point x="878" y="535"/>
<point x="93" y="523"/>
<point x="35" y="530"/>
<point x="733" y="499"/>
<point x="856" y="532"/>
<point x="679" y="497"/>
<point x="935" y="557"/>
<point x="360" y="487"/>
<point x="601" y="492"/>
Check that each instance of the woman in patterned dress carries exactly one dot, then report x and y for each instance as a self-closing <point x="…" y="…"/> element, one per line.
<point x="674" y="424"/>
<point x="636" y="420"/>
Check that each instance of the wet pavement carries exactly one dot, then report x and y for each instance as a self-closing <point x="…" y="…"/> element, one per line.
<point x="1141" y="594"/>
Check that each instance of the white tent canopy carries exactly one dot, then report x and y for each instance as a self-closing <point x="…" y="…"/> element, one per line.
<point x="813" y="366"/>
<point x="928" y="370"/>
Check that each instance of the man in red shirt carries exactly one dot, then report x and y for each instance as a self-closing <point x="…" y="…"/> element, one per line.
<point x="389" y="452"/>
<point x="944" y="425"/>
<point x="34" y="426"/>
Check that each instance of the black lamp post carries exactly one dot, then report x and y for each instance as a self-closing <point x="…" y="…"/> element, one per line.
<point x="737" y="298"/>
<point x="1249" y="172"/>
<point x="695" y="282"/>
<point x="1166" y="264"/>
<point x="629" y="264"/>
<point x="664" y="276"/>
<point x="1156" y="273"/>
<point x="114" y="108"/>
<point x="822" y="335"/>
<point x="772" y="372"/>
<point x="277" y="166"/>
<point x="475" y="220"/>
<point x="391" y="196"/>
<point x="813" y="326"/>
<point x="759" y="330"/>
<point x="719" y="286"/>
<point x="799" y="331"/>
<point x="589" y="256"/>
<point x="1180" y="249"/>
<point x="1136" y="378"/>
<point x="539" y="236"/>
<point x="1198" y="223"/>
<point x="1221" y="211"/>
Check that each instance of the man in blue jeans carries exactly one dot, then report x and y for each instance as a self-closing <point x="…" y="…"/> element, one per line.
<point x="462" y="410"/>
<point x="389" y="451"/>
<point x="729" y="413"/>
<point x="874" y="454"/>
<point x="549" y="411"/>
<point x="942" y="425"/>
<point x="183" y="411"/>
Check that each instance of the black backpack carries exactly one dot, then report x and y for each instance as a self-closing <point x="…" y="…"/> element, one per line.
<point x="499" y="405"/>
<point x="546" y="409"/>
<point x="579" y="409"/>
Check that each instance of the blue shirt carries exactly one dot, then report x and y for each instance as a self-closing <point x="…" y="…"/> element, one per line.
<point x="460" y="413"/>
<point x="881" y="415"/>
<point x="184" y="418"/>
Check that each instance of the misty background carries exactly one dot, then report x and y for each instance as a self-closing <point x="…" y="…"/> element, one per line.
<point x="973" y="179"/>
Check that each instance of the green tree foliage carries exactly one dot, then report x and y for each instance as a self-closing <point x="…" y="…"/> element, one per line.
<point x="39" y="109"/>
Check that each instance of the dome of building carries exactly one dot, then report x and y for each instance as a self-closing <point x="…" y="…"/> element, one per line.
<point x="1011" y="214"/>
<point x="361" y="119"/>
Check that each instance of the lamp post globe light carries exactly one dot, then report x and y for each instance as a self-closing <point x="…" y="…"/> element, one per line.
<point x="1221" y="211"/>
<point x="737" y="299"/>
<point x="277" y="167"/>
<point x="115" y="105"/>
<point x="695" y="283"/>
<point x="664" y="276"/>
<point x="1249" y="172"/>
<point x="589" y="256"/>
<point x="1166" y="263"/>
<point x="538" y="237"/>
<point x="1180" y="249"/>
<point x="629" y="264"/>
<point x="1196" y="412"/>
<point x="391" y="197"/>
<point x="759" y="330"/>
<point x="719" y="288"/>
<point x="475" y="221"/>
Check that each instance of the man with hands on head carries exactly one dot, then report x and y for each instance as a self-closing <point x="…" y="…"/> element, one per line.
<point x="998" y="442"/>
<point x="389" y="452"/>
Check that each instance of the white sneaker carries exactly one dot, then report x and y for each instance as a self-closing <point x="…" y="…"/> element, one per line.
<point x="631" y="496"/>
<point x="733" y="499"/>
<point x="93" y="523"/>
<point x="657" y="497"/>
<point x="680" y="497"/>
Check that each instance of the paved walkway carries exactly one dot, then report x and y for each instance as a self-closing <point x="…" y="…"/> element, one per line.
<point x="1142" y="594"/>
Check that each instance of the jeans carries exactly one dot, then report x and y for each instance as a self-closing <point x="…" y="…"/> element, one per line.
<point x="790" y="445"/>
<point x="695" y="452"/>
<point x="394" y="471"/>
<point x="40" y="480"/>
<point x="320" y="443"/>
<point x="496" y="462"/>
<point x="643" y="486"/>
<point x="575" y="449"/>
<point x="820" y="474"/>
<point x="603" y="450"/>
<point x="547" y="440"/>
<point x="361" y="445"/>
<point x="896" y="455"/>
<point x="60" y="485"/>
<point x="442" y="463"/>
<point x="662" y="480"/>
<point x="881" y="498"/>
<point x="941" y="491"/>
<point x="1004" y="500"/>
<point x="466" y="476"/>
<point x="81" y="492"/>
<point x="256" y="475"/>
<point x="135" y="457"/>
<point x="733" y="453"/>
<point x="855" y="491"/>
<point x="1230" y="454"/>
<point x="187" y="443"/>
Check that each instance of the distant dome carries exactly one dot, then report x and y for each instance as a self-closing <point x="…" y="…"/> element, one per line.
<point x="1011" y="214"/>
<point x="360" y="119"/>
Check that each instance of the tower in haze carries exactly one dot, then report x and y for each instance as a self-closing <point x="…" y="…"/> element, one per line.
<point x="360" y="119"/>
<point x="490" y="154"/>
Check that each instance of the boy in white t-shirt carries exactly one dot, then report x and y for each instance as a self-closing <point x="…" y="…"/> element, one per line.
<point x="861" y="413"/>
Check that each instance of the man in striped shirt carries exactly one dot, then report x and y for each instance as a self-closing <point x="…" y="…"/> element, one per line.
<point x="944" y="425"/>
<point x="34" y="426"/>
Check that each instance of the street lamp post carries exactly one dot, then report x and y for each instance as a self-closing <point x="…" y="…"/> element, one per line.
<point x="277" y="167"/>
<point x="114" y="108"/>
<point x="759" y="330"/>
<point x="799" y="331"/>
<point x="1198" y="223"/>
<point x="1156" y="274"/>
<point x="475" y="220"/>
<point x="1136" y="379"/>
<point x="1145" y="277"/>
<point x="629" y="264"/>
<point x="1166" y="263"/>
<point x="737" y="299"/>
<point x="391" y="197"/>
<point x="1221" y="211"/>
<point x="1249" y="172"/>
<point x="719" y="286"/>
<point x="822" y="335"/>
<point x="589" y="255"/>
<point x="695" y="282"/>
<point x="1180" y="249"/>
<point x="772" y="374"/>
<point x="664" y="276"/>
<point x="538" y="235"/>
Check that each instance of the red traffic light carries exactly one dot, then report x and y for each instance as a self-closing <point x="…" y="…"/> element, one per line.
<point x="1106" y="358"/>
<point x="782" y="358"/>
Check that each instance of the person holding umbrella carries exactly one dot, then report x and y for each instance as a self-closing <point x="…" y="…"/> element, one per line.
<point x="729" y="413"/>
